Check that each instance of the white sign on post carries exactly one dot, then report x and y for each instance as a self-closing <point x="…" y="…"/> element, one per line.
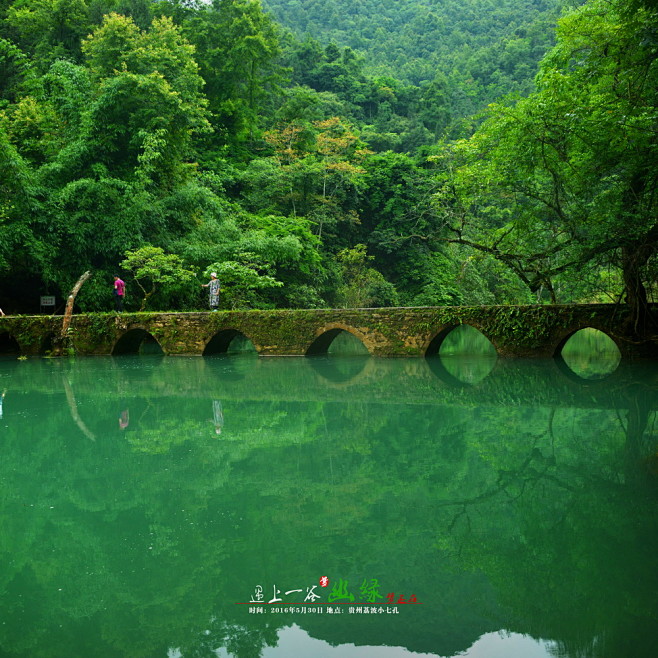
<point x="47" y="301"/>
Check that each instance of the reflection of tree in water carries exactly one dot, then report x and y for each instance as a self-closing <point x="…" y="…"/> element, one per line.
<point x="641" y="438"/>
<point x="239" y="641"/>
<point x="562" y="562"/>
<point x="534" y="518"/>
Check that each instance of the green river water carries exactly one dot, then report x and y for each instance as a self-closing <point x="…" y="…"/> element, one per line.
<point x="338" y="506"/>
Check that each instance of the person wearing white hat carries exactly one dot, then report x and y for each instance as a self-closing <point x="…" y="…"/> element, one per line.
<point x="213" y="291"/>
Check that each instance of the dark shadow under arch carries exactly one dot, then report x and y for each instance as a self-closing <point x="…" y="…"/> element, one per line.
<point x="435" y="344"/>
<point x="9" y="345"/>
<point x="47" y="343"/>
<point x="461" y="371"/>
<point x="438" y="369"/>
<point x="322" y="344"/>
<point x="137" y="341"/>
<point x="229" y="341"/>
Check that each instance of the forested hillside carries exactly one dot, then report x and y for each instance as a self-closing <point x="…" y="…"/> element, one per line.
<point x="165" y="140"/>
<point x="482" y="49"/>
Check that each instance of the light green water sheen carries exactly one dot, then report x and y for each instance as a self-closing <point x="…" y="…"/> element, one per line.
<point x="190" y="508"/>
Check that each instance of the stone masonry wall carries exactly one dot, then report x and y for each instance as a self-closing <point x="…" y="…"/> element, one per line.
<point x="515" y="331"/>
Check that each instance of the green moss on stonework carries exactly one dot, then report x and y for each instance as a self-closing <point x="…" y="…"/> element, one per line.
<point x="513" y="329"/>
<point x="28" y="331"/>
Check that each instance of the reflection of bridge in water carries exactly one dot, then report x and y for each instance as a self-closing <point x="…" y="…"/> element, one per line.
<point x="510" y="382"/>
<point x="516" y="331"/>
<point x="442" y="494"/>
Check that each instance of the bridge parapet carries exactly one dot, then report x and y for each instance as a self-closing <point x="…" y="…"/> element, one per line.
<point x="514" y="331"/>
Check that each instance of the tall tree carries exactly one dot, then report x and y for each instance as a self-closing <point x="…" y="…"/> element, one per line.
<point x="149" y="101"/>
<point x="49" y="29"/>
<point x="238" y="46"/>
<point x="568" y="178"/>
<point x="321" y="163"/>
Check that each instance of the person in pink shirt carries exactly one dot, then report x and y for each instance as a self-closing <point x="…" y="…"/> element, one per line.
<point x="119" y="293"/>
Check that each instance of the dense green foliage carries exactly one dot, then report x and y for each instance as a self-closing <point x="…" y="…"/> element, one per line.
<point x="341" y="166"/>
<point x="481" y="49"/>
<point x="566" y="179"/>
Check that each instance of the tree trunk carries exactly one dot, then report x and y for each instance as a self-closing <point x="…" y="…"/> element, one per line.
<point x="63" y="336"/>
<point x="640" y="322"/>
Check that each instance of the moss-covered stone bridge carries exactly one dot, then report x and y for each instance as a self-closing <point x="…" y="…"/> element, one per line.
<point x="514" y="331"/>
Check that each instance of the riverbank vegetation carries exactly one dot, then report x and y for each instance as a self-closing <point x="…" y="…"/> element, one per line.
<point x="330" y="154"/>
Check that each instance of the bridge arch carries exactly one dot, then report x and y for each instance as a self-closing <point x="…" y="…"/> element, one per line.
<point x="9" y="345"/>
<point x="137" y="341"/>
<point x="594" y="354"/>
<point x="47" y="343"/>
<point x="326" y="335"/>
<point x="434" y="345"/>
<point x="227" y="341"/>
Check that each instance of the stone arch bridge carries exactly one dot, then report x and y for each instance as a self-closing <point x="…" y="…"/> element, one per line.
<point x="514" y="331"/>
